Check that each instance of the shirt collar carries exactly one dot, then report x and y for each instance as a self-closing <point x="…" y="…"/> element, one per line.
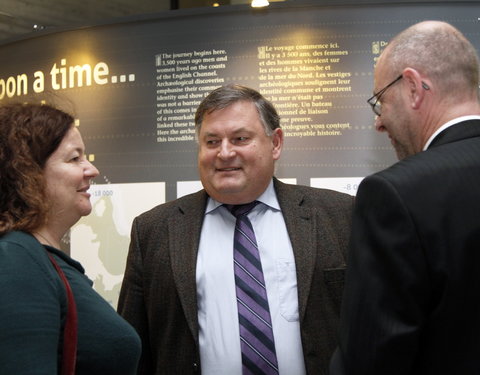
<point x="268" y="197"/>
<point x="447" y="125"/>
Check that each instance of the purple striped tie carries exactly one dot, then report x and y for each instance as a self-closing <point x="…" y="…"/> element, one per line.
<point x="256" y="335"/>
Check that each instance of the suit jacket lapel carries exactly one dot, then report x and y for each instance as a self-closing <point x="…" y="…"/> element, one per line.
<point x="184" y="228"/>
<point x="301" y="226"/>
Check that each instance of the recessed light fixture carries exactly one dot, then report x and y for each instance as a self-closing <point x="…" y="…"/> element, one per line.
<point x="260" y="3"/>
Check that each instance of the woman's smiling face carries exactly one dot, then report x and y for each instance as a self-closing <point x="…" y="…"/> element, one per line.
<point x="67" y="174"/>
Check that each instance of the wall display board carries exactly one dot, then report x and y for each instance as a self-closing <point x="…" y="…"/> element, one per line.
<point x="135" y="87"/>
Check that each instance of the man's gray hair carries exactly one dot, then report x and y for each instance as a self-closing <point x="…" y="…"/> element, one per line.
<point x="224" y="96"/>
<point x="441" y="52"/>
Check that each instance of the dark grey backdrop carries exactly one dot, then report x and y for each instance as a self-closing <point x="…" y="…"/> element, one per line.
<point x="119" y="121"/>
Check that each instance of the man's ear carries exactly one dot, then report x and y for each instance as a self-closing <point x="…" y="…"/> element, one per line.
<point x="417" y="87"/>
<point x="277" y="141"/>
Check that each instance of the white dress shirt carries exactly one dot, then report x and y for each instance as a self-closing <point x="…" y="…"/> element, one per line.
<point x="220" y="351"/>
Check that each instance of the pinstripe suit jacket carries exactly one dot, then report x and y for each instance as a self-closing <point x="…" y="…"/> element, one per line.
<point x="158" y="295"/>
<point x="412" y="294"/>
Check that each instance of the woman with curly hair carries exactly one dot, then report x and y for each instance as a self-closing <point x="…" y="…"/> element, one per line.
<point x="51" y="320"/>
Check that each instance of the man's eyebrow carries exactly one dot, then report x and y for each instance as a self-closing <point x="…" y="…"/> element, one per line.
<point x="243" y="129"/>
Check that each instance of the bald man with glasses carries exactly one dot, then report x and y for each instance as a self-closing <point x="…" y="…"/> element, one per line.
<point x="412" y="296"/>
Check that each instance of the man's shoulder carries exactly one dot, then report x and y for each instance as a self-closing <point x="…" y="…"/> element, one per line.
<point x="434" y="162"/>
<point x="312" y="195"/>
<point x="402" y="174"/>
<point x="191" y="202"/>
<point x="428" y="170"/>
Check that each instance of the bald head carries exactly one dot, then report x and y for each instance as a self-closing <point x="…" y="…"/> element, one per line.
<point x="436" y="75"/>
<point x="441" y="52"/>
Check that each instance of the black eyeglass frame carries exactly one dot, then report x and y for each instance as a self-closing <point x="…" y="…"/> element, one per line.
<point x="373" y="101"/>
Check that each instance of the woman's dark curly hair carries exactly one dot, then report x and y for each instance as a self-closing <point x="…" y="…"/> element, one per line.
<point x="29" y="134"/>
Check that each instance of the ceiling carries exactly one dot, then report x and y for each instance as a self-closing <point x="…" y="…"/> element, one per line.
<point x="18" y="18"/>
<point x="21" y="17"/>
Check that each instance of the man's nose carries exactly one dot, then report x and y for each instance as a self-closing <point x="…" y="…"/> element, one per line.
<point x="379" y="125"/>
<point x="226" y="150"/>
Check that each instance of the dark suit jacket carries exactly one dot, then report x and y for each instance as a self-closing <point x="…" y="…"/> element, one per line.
<point x="412" y="294"/>
<point x="158" y="295"/>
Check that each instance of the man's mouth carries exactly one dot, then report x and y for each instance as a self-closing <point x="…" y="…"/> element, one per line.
<point x="228" y="169"/>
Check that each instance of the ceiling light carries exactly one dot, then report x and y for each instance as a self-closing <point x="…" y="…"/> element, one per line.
<point x="260" y="3"/>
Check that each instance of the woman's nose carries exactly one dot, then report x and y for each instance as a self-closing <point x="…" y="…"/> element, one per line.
<point x="91" y="171"/>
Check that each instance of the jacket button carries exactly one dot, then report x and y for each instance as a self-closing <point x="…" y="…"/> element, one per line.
<point x="195" y="367"/>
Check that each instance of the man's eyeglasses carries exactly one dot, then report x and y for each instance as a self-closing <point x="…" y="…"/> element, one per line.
<point x="375" y="102"/>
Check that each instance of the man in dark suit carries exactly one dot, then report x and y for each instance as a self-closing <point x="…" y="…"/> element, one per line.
<point x="179" y="289"/>
<point x="411" y="303"/>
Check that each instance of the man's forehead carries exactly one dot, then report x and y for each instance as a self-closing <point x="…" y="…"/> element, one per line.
<point x="380" y="71"/>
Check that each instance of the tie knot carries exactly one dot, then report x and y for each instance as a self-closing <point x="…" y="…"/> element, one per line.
<point x="241" y="209"/>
